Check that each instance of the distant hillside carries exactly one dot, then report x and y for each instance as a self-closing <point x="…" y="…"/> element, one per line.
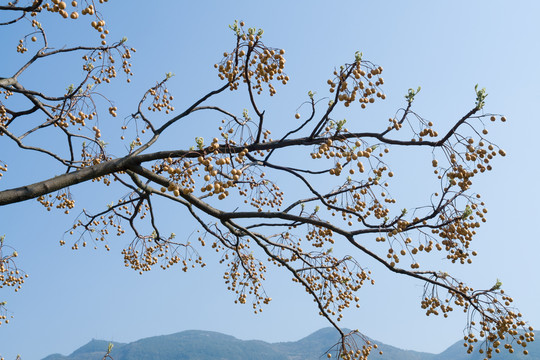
<point x="208" y="345"/>
<point x="95" y="349"/>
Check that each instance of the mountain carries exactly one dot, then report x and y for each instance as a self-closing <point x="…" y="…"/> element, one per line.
<point x="318" y="343"/>
<point x="208" y="345"/>
<point x="95" y="349"/>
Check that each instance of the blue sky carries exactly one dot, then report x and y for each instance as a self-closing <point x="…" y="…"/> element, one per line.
<point x="445" y="47"/>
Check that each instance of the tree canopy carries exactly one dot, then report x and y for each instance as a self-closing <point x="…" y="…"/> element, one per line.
<point x="234" y="179"/>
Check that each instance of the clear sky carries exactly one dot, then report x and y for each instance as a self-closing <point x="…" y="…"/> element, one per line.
<point x="444" y="46"/>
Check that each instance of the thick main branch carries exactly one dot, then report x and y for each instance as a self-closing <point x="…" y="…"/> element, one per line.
<point x="62" y="181"/>
<point x="47" y="186"/>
